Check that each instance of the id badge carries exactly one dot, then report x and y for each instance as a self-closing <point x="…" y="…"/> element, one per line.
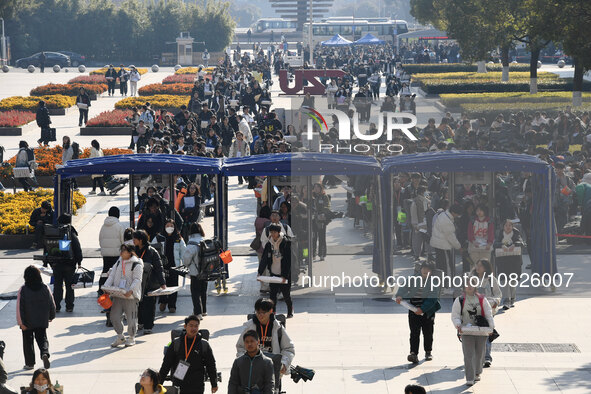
<point x="181" y="370"/>
<point x="122" y="284"/>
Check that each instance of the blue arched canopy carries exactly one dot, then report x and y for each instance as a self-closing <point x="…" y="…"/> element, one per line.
<point x="543" y="234"/>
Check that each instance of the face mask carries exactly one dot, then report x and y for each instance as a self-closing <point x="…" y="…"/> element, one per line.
<point x="40" y="387"/>
<point x="169" y="230"/>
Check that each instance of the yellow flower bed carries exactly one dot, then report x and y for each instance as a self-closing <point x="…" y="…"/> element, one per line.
<point x="17" y="208"/>
<point x="156" y="101"/>
<point x="194" y="70"/>
<point x="31" y="103"/>
<point x="103" y="70"/>
<point x="454" y="100"/>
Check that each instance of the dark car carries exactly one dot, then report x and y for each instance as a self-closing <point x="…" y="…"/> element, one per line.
<point x="51" y="59"/>
<point x="76" y="59"/>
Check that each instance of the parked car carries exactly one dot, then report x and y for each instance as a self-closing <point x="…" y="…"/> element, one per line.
<point x="76" y="59"/>
<point x="51" y="59"/>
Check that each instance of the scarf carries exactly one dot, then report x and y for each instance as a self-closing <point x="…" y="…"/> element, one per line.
<point x="507" y="238"/>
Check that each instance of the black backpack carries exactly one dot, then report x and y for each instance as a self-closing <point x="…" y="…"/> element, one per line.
<point x="149" y="281"/>
<point x="210" y="264"/>
<point x="57" y="242"/>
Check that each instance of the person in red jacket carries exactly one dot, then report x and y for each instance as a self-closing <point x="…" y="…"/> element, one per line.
<point x="481" y="236"/>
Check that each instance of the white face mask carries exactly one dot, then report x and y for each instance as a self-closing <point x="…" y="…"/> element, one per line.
<point x="169" y="230"/>
<point x="40" y="387"/>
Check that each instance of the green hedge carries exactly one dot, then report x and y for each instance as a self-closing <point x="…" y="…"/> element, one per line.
<point x="458" y="67"/>
<point x="455" y="100"/>
<point x="491" y="110"/>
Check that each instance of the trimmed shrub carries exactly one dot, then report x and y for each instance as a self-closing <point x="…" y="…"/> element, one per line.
<point x="16" y="118"/>
<point x="180" y="78"/>
<point x="103" y="70"/>
<point x="89" y="79"/>
<point x="157" y="101"/>
<point x="175" y="89"/>
<point x="114" y="118"/>
<point x="458" y="67"/>
<point x="69" y="89"/>
<point x="455" y="100"/>
<point x="31" y="103"/>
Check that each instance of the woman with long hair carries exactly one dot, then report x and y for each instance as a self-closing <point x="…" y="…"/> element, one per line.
<point x="96" y="151"/>
<point x="174" y="248"/>
<point x="41" y="383"/>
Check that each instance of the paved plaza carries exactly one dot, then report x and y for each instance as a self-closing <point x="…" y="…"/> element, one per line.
<point x="355" y="339"/>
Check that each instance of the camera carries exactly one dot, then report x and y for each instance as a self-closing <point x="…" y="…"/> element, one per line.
<point x="299" y="373"/>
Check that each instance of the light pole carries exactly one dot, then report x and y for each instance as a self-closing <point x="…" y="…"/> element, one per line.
<point x="4" y="60"/>
<point x="310" y="32"/>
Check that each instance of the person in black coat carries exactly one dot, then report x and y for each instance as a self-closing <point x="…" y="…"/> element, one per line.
<point x="276" y="258"/>
<point x="153" y="278"/>
<point x="83" y="102"/>
<point x="35" y="310"/>
<point x="63" y="271"/>
<point x="192" y="349"/>
<point x="510" y="242"/>
<point x="39" y="218"/>
<point x="111" y="76"/>
<point x="43" y="121"/>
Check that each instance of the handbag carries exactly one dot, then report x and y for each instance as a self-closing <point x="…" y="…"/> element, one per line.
<point x="256" y="243"/>
<point x="82" y="278"/>
<point x="495" y="334"/>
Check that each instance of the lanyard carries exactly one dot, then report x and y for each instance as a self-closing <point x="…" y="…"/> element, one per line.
<point x="123" y="267"/>
<point x="264" y="335"/>
<point x="142" y="256"/>
<point x="191" y="348"/>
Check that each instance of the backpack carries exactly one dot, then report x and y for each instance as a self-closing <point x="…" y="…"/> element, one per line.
<point x="57" y="242"/>
<point x="210" y="264"/>
<point x="149" y="282"/>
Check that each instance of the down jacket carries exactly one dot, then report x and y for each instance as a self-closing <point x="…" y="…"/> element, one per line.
<point x="444" y="232"/>
<point x="111" y="237"/>
<point x="133" y="277"/>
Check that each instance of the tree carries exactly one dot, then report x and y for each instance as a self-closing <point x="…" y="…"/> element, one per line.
<point x="213" y="25"/>
<point x="572" y="30"/>
<point x="245" y="14"/>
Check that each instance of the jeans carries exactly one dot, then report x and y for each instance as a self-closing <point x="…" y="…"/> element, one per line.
<point x="111" y="86"/>
<point x="487" y="356"/>
<point x="199" y="295"/>
<point x="444" y="263"/>
<point x="320" y="235"/>
<point x="285" y="289"/>
<point x="416" y="324"/>
<point x="40" y="335"/>
<point x="62" y="275"/>
<point x="147" y="311"/>
<point x="123" y="87"/>
<point x="83" y="116"/>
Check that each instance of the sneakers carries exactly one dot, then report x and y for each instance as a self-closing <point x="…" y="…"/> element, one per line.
<point x="129" y="342"/>
<point x="412" y="357"/>
<point x="102" y="193"/>
<point x="477" y="378"/>
<point x="200" y="316"/>
<point x="147" y="331"/>
<point x="428" y="356"/>
<point x="70" y="310"/>
<point x="118" y="342"/>
<point x="218" y="287"/>
<point x="46" y="363"/>
<point x="172" y="310"/>
<point x="469" y="383"/>
<point x="28" y="367"/>
<point x="162" y="307"/>
<point x="92" y="192"/>
<point x="487" y="364"/>
<point x="204" y="314"/>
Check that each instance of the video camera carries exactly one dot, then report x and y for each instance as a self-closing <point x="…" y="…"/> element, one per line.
<point x="299" y="373"/>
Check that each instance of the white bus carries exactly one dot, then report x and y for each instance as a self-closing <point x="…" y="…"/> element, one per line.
<point x="355" y="28"/>
<point x="277" y="25"/>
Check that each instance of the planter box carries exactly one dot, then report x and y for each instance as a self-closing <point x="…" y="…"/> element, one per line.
<point x="57" y="111"/>
<point x="17" y="242"/>
<point x="6" y="131"/>
<point x="105" y="130"/>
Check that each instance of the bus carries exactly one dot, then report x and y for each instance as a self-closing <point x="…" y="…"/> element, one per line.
<point x="383" y="28"/>
<point x="277" y="25"/>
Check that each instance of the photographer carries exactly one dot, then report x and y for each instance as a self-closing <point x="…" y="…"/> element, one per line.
<point x="252" y="372"/>
<point x="275" y="340"/>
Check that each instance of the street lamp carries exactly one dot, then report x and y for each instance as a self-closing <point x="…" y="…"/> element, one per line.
<point x="4" y="59"/>
<point x="310" y="32"/>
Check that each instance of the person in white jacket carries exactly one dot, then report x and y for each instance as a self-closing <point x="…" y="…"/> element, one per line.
<point x="244" y="128"/>
<point x="488" y="285"/>
<point x="273" y="337"/>
<point x="443" y="238"/>
<point x="134" y="78"/>
<point x="464" y="312"/>
<point x="127" y="276"/>
<point x="96" y="151"/>
<point x="191" y="261"/>
<point x="110" y="241"/>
